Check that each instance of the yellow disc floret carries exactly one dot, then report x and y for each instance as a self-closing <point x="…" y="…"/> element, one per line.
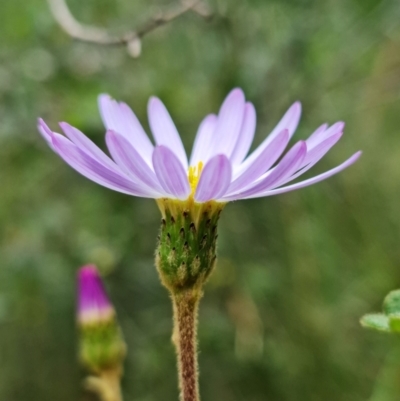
<point x="189" y="208"/>
<point x="194" y="176"/>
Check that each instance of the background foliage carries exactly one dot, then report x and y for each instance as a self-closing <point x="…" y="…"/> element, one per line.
<point x="279" y="320"/>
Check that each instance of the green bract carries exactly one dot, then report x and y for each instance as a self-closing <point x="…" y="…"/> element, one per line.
<point x="186" y="252"/>
<point x="102" y="347"/>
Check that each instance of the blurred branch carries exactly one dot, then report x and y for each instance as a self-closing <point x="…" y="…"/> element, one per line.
<point x="200" y="8"/>
<point x="131" y="39"/>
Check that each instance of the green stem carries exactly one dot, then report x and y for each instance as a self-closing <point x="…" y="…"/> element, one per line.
<point x="107" y="385"/>
<point x="185" y="306"/>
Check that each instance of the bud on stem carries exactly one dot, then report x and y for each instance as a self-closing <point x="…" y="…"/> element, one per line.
<point x="101" y="349"/>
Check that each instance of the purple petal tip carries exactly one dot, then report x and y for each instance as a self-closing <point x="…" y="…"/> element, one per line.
<point x="237" y="92"/>
<point x="153" y="101"/>
<point x="104" y="96"/>
<point x="65" y="126"/>
<point x="297" y="105"/>
<point x="45" y="131"/>
<point x="235" y="95"/>
<point x="88" y="272"/>
<point x="356" y="156"/>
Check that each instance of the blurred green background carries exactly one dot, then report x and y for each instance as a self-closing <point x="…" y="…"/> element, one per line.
<point x="279" y="320"/>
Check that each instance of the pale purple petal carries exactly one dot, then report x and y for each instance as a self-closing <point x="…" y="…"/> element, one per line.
<point x="315" y="154"/>
<point x="203" y="139"/>
<point x="308" y="182"/>
<point x="85" y="144"/>
<point x="312" y="157"/>
<point x="94" y="170"/>
<point x="214" y="179"/>
<point x="164" y="130"/>
<point x="261" y="164"/>
<point x="141" y="141"/>
<point x="318" y="151"/>
<point x="289" y="121"/>
<point x="322" y="128"/>
<point x="246" y="135"/>
<point x="320" y="135"/>
<point x="289" y="164"/>
<point x="318" y="145"/>
<point x="109" y="112"/>
<point x="230" y="119"/>
<point x="45" y="132"/>
<point x="120" y="118"/>
<point x="130" y="161"/>
<point x="170" y="172"/>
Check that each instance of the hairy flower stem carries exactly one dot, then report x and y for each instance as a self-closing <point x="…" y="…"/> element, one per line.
<point x="185" y="338"/>
<point x="185" y="258"/>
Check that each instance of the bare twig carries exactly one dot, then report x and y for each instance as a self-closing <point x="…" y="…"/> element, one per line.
<point x="132" y="38"/>
<point x="201" y="8"/>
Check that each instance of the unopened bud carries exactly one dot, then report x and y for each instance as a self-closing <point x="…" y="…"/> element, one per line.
<point x="101" y="343"/>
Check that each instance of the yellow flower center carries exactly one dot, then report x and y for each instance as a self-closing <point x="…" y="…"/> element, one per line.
<point x="189" y="208"/>
<point x="194" y="176"/>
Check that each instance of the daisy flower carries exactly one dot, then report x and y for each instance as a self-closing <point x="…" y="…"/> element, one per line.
<point x="219" y="169"/>
<point x="190" y="194"/>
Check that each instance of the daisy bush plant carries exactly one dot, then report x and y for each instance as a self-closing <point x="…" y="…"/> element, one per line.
<point x="192" y="193"/>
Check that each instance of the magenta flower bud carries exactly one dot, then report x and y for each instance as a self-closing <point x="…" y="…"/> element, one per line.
<point x="101" y="345"/>
<point x="94" y="306"/>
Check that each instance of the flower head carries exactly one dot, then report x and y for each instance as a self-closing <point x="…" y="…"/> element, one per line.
<point x="94" y="306"/>
<point x="219" y="169"/>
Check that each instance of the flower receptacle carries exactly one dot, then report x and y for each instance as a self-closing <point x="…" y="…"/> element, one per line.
<point x="186" y="252"/>
<point x="101" y="347"/>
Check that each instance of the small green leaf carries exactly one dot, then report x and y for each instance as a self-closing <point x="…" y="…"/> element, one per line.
<point x="376" y="321"/>
<point x="391" y="304"/>
<point x="394" y="323"/>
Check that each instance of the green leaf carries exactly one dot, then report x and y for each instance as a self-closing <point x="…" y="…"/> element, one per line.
<point x="376" y="321"/>
<point x="391" y="304"/>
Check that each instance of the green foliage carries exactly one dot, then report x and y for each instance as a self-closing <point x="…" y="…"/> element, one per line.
<point x="389" y="320"/>
<point x="377" y="321"/>
<point x="391" y="304"/>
